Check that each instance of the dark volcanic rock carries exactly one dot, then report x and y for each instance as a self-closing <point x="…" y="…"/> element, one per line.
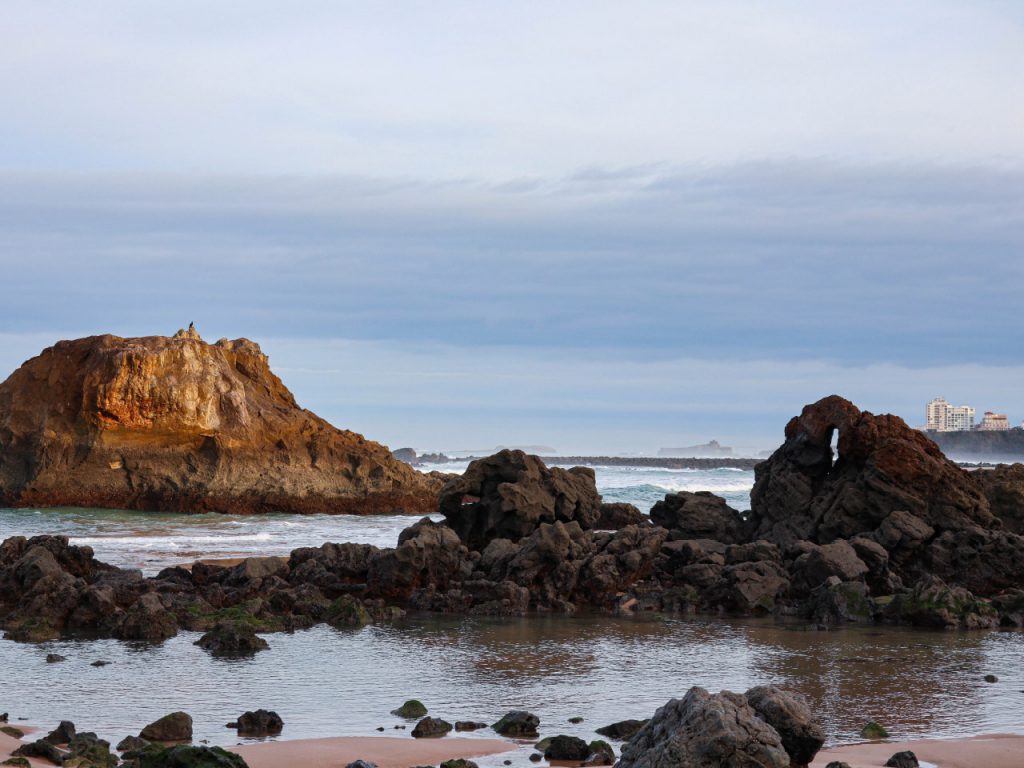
<point x="262" y="722"/>
<point x="412" y="708"/>
<point x="804" y="491"/>
<point x="518" y="724"/>
<point x="1004" y="489"/>
<point x="232" y="638"/>
<point x="184" y="756"/>
<point x="617" y="515"/>
<point x="148" y="620"/>
<point x="790" y="715"/>
<point x="700" y="515"/>
<point x="176" y="424"/>
<point x="601" y="753"/>
<point x="469" y="725"/>
<point x="622" y="730"/>
<point x="176" y="726"/>
<point x="905" y="759"/>
<point x="431" y="727"/>
<point x="41" y="749"/>
<point x="566" y="748"/>
<point x="508" y="495"/>
<point x="704" y="730"/>
<point x="891" y="484"/>
<point x="62" y="734"/>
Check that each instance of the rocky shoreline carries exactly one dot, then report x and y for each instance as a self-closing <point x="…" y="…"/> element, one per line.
<point x="766" y="727"/>
<point x="887" y="531"/>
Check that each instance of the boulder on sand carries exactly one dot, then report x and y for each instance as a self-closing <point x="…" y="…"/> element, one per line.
<point x="704" y="730"/>
<point x="176" y="726"/>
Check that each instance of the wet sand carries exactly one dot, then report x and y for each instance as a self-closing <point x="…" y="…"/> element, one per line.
<point x="385" y="751"/>
<point x="8" y="744"/>
<point x="994" y="750"/>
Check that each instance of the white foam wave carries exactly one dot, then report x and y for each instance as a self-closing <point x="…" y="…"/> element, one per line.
<point x="168" y="541"/>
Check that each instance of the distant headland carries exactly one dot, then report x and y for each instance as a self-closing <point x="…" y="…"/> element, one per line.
<point x="173" y="423"/>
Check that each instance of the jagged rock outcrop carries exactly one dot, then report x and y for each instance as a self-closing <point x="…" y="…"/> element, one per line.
<point x="700" y="515"/>
<point x="1004" y="489"/>
<point x="891" y="485"/>
<point x="888" y="532"/>
<point x="806" y="491"/>
<point x="510" y="494"/>
<point x="176" y="424"/>
<point x="704" y="730"/>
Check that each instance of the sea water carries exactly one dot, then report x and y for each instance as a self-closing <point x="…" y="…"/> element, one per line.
<point x="152" y="541"/>
<point x="328" y="682"/>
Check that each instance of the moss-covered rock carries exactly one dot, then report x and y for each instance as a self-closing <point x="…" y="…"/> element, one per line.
<point x="932" y="603"/>
<point x="31" y="630"/>
<point x="873" y="731"/>
<point x="412" y="708"/>
<point x="347" y="611"/>
<point x="10" y="730"/>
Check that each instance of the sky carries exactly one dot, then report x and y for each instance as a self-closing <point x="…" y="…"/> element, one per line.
<point x="602" y="227"/>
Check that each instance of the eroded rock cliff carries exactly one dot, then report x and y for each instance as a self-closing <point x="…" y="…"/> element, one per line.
<point x="176" y="424"/>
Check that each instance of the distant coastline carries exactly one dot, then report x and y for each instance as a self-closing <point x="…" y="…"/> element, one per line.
<point x="659" y="462"/>
<point x="977" y="445"/>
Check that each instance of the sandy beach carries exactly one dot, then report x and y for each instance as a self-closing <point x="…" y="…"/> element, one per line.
<point x="385" y="751"/>
<point x="995" y="750"/>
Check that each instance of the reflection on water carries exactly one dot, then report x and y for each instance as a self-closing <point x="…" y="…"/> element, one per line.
<point x="330" y="682"/>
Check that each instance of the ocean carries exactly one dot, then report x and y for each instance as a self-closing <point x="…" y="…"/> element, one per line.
<point x="328" y="682"/>
<point x="152" y="541"/>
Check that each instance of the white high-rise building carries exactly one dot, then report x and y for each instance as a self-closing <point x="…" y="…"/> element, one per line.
<point x="935" y="415"/>
<point x="943" y="417"/>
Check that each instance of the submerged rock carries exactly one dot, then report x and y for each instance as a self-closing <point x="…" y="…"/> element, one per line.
<point x="232" y="638"/>
<point x="262" y="722"/>
<point x="622" y="730"/>
<point x="518" y="724"/>
<point x="565" y="748"/>
<point x="412" y="708"/>
<point x="600" y="753"/>
<point x="431" y="727"/>
<point x="873" y="731"/>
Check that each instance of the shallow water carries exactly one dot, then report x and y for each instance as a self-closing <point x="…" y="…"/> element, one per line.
<point x="152" y="541"/>
<point x="328" y="682"/>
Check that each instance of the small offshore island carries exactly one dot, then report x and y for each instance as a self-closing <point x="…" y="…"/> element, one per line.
<point x="886" y="530"/>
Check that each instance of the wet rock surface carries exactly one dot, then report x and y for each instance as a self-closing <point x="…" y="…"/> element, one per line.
<point x="704" y="730"/>
<point x="887" y="530"/>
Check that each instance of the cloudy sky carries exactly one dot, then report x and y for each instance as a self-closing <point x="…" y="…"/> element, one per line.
<point x="597" y="226"/>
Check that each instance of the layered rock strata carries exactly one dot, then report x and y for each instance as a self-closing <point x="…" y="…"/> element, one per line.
<point x="176" y="424"/>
